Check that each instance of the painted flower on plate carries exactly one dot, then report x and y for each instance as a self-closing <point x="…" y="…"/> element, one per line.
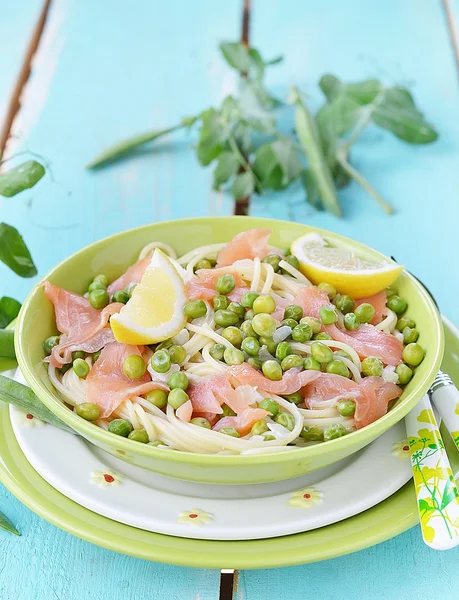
<point x="106" y="479"/>
<point x="195" y="517"/>
<point x="28" y="420"/>
<point x="401" y="449"/>
<point x="306" y="498"/>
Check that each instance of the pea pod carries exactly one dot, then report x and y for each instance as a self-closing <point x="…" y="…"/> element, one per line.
<point x="7" y="344"/>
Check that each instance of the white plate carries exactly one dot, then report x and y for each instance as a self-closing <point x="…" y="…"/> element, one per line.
<point x="130" y="495"/>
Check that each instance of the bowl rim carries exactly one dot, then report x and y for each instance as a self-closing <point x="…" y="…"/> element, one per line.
<point x="357" y="438"/>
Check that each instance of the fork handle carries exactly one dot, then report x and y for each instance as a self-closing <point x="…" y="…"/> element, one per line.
<point x="446" y="401"/>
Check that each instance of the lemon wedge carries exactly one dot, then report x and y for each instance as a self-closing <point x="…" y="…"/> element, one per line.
<point x="349" y="273"/>
<point x="155" y="310"/>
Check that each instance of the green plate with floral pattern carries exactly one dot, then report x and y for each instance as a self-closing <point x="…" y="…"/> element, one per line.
<point x="386" y="520"/>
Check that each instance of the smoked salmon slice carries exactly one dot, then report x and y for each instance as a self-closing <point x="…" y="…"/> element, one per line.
<point x="243" y="422"/>
<point x="133" y="275"/>
<point x="292" y="380"/>
<point x="107" y="385"/>
<point x="202" y="286"/>
<point x="248" y="244"/>
<point x="375" y="395"/>
<point x="378" y="301"/>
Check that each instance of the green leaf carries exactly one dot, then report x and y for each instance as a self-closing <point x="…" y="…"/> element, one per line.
<point x="9" y="310"/>
<point x="236" y="55"/>
<point x="450" y="493"/>
<point x="227" y="166"/>
<point x="400" y="97"/>
<point x="310" y="185"/>
<point x="363" y="92"/>
<point x="256" y="106"/>
<point x="7" y="344"/>
<point x="274" y="61"/>
<point x="337" y="118"/>
<point x="257" y="62"/>
<point x="287" y="157"/>
<point x="405" y="123"/>
<point x="14" y="253"/>
<point x="22" y="396"/>
<point x="243" y="186"/>
<point x="21" y="178"/>
<point x="230" y="109"/>
<point x="432" y="446"/>
<point x="276" y="164"/>
<point x="310" y="142"/>
<point x="7" y="525"/>
<point x="211" y="137"/>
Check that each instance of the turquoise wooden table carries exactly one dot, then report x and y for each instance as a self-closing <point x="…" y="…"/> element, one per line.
<point x="104" y="70"/>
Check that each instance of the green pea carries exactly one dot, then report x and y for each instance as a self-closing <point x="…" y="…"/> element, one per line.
<point x="251" y="346"/>
<point x="78" y="354"/>
<point x="259" y="427"/>
<point x="337" y="367"/>
<point x="293" y="261"/>
<point x="372" y="367"/>
<point x="264" y="304"/>
<point x="201" y="422"/>
<point x="255" y="362"/>
<point x="390" y="292"/>
<point x="283" y="349"/>
<point x="230" y="431"/>
<point x="120" y="296"/>
<point x="351" y="322"/>
<point x="98" y="299"/>
<point x="129" y="289"/>
<point x="88" y="411"/>
<point x="272" y="370"/>
<point x="157" y="443"/>
<point x="232" y="356"/>
<point x="157" y="397"/>
<point x="220" y="302"/>
<point x="65" y="368"/>
<point x="178" y="380"/>
<point x="227" y="411"/>
<point x="96" y="285"/>
<point x="328" y="288"/>
<point x="81" y="368"/>
<point x="225" y="318"/>
<point x="342" y="353"/>
<point x="270" y="344"/>
<point x="410" y="335"/>
<point x="203" y="264"/>
<point x="405" y="322"/>
<point x="312" y="433"/>
<point x="160" y="361"/>
<point x="121" y="427"/>
<point x="273" y="260"/>
<point x="302" y="333"/>
<point x="270" y="405"/>
<point x="321" y="352"/>
<point x="177" y="397"/>
<point x="233" y="335"/>
<point x="334" y="431"/>
<point x="96" y="355"/>
<point x="264" y="325"/>
<point x="313" y="323"/>
<point x="134" y="366"/>
<point x="195" y="309"/>
<point x="139" y="435"/>
<point x="404" y="373"/>
<point x="248" y="299"/>
<point x="177" y="354"/>
<point x="293" y="311"/>
<point x="364" y="312"/>
<point x="49" y="343"/>
<point x="268" y="437"/>
<point x="413" y="354"/>
<point x="103" y="279"/>
<point x="397" y="304"/>
<point x="247" y="329"/>
<point x="286" y="420"/>
<point x="311" y="364"/>
<point x="328" y="315"/>
<point x="323" y="335"/>
<point x="292" y="361"/>
<point x="345" y="304"/>
<point x="164" y="345"/>
<point x="290" y="323"/>
<point x="249" y="315"/>
<point x="225" y="284"/>
<point x="217" y="351"/>
<point x="237" y="308"/>
<point x="346" y="408"/>
<point x="295" y="398"/>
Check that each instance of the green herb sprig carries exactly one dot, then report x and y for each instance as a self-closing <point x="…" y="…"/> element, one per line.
<point x="251" y="153"/>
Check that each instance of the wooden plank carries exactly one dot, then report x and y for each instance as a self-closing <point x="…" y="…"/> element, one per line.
<point x="399" y="42"/>
<point x="17" y="25"/>
<point x="99" y="77"/>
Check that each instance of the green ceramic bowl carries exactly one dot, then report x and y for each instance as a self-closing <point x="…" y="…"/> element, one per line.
<point x="113" y="255"/>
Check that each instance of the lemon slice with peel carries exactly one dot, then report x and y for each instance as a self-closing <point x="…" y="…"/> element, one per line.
<point x="155" y="310"/>
<point x="348" y="272"/>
